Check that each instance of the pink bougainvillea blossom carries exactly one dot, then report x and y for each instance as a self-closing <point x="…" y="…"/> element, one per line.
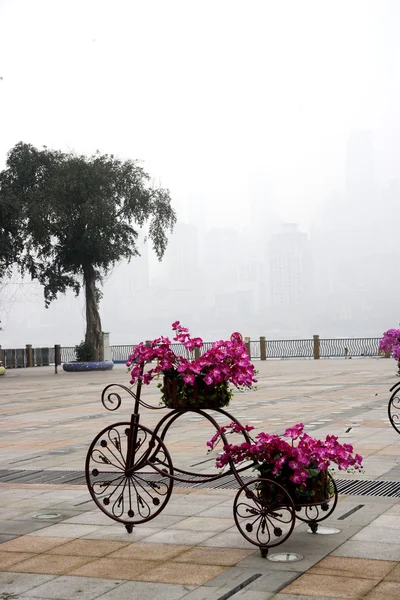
<point x="296" y="462"/>
<point x="390" y="341"/>
<point x="225" y="361"/>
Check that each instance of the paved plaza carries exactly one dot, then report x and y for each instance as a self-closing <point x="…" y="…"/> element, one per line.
<point x="192" y="550"/>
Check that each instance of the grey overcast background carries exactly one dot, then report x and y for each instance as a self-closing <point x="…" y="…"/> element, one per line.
<point x="276" y="127"/>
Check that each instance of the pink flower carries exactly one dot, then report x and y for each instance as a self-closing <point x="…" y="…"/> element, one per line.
<point x="224" y="362"/>
<point x="295" y="431"/>
<point x="284" y="460"/>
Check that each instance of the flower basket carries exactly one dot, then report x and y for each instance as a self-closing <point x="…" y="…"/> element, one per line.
<point x="301" y="467"/>
<point x="178" y="394"/>
<point x="202" y="378"/>
<point x="317" y="490"/>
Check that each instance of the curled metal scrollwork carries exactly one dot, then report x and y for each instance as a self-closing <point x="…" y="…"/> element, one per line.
<point x="394" y="408"/>
<point x="315" y="513"/>
<point x="111" y="400"/>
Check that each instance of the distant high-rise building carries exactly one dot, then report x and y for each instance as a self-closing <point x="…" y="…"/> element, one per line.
<point x="360" y="169"/>
<point x="181" y="258"/>
<point x="289" y="267"/>
<point x="222" y="256"/>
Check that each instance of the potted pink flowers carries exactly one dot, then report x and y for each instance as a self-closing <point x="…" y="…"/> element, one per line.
<point x="202" y="379"/>
<point x="390" y="345"/>
<point x="301" y="466"/>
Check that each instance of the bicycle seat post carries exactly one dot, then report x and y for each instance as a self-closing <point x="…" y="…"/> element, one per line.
<point x="132" y="438"/>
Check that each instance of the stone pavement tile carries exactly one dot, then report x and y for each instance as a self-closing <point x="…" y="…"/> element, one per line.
<point x="375" y="533"/>
<point x="182" y="573"/>
<point x="7" y="559"/>
<point x="283" y="596"/>
<point x="68" y="531"/>
<point x="83" y="547"/>
<point x="362" y="568"/>
<point x="6" y="538"/>
<point x="368" y="549"/>
<point x="50" y="564"/>
<point x="68" y="588"/>
<point x="227" y="557"/>
<point x="253" y="595"/>
<point x="390" y="521"/>
<point x="139" y="590"/>
<point x="209" y="593"/>
<point x="10" y="496"/>
<point x="273" y="581"/>
<point x="227" y="540"/>
<point x="11" y="514"/>
<point x="367" y="509"/>
<point x="147" y="551"/>
<point x="394" y="575"/>
<point x="181" y="506"/>
<point x="393" y="510"/>
<point x="99" y="518"/>
<point x="88" y="518"/>
<point x="330" y="586"/>
<point x="178" y="536"/>
<point x="20" y="527"/>
<point x="63" y="516"/>
<point x="19" y="583"/>
<point x="220" y="512"/>
<point x="385" y="590"/>
<point x="389" y="451"/>
<point x="204" y="524"/>
<point x="113" y="568"/>
<point x="236" y="576"/>
<point x="119" y="533"/>
<point x="29" y="543"/>
<point x="28" y="598"/>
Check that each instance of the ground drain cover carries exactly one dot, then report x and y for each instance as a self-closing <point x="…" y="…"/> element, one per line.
<point x="324" y="531"/>
<point x="47" y="516"/>
<point x="285" y="557"/>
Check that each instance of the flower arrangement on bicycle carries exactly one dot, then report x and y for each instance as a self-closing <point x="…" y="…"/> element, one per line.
<point x="301" y="467"/>
<point x="202" y="379"/>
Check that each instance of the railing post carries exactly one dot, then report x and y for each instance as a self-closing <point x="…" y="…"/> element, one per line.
<point x="29" y="355"/>
<point x="1" y="354"/>
<point x="263" y="348"/>
<point x="247" y="344"/>
<point x="106" y="346"/>
<point x="316" y="347"/>
<point x="57" y="357"/>
<point x="196" y="353"/>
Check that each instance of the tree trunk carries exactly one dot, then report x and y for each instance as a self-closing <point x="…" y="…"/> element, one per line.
<point x="94" y="335"/>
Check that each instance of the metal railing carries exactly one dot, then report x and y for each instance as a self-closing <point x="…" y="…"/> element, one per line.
<point x="274" y="349"/>
<point x="349" y="347"/>
<point x="68" y="354"/>
<point x="289" y="348"/>
<point x="328" y="348"/>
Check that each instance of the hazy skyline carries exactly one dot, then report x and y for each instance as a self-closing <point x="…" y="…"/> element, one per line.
<point x="229" y="104"/>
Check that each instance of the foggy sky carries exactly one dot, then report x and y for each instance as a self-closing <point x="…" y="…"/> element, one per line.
<point x="229" y="105"/>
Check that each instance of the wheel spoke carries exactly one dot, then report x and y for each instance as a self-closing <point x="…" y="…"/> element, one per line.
<point x="264" y="513"/>
<point x="129" y="495"/>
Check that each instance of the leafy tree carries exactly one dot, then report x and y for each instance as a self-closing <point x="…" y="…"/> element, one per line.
<point x="11" y="238"/>
<point x="81" y="215"/>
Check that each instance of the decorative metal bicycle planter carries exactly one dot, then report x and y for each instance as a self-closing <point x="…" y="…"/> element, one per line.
<point x="394" y="407"/>
<point x="130" y="476"/>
